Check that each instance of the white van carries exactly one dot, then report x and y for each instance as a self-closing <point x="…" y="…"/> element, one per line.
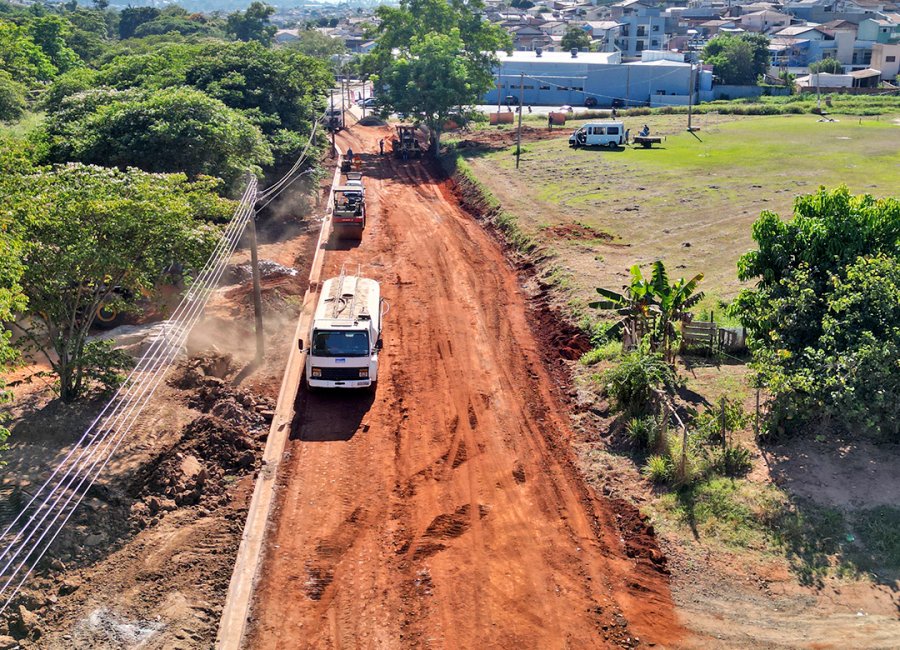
<point x="345" y="337"/>
<point x="599" y="134"/>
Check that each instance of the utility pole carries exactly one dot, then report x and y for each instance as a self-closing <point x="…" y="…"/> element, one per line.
<point x="257" y="292"/>
<point x="364" y="97"/>
<point x="519" y="130"/>
<point x="332" y="124"/>
<point x="627" y="85"/>
<point x="498" y="92"/>
<point x="691" y="98"/>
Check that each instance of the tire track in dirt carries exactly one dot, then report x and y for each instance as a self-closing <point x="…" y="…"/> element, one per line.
<point x="445" y="512"/>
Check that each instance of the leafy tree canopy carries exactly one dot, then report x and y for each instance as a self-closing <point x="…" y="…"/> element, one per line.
<point x="824" y="317"/>
<point x="131" y="18"/>
<point x="831" y="66"/>
<point x="91" y="235"/>
<point x="280" y="90"/>
<point x="12" y="98"/>
<point x="170" y="130"/>
<point x="432" y="56"/>
<point x="576" y="38"/>
<point x="253" y="24"/>
<point x="738" y="59"/>
<point x="21" y="57"/>
<point x="316" y="44"/>
<point x="50" y="33"/>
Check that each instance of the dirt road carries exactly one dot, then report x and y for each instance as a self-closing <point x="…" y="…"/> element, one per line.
<point x="445" y="511"/>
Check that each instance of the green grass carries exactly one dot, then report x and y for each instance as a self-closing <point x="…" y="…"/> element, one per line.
<point x="691" y="202"/>
<point x="816" y="541"/>
<point x="21" y="128"/>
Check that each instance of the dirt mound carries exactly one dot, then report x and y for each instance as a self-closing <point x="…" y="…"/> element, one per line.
<point x="565" y="339"/>
<point x="578" y="231"/>
<point x="240" y="273"/>
<point x="198" y="370"/>
<point x="371" y="120"/>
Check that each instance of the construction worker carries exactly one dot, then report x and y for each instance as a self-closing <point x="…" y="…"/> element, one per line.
<point x="349" y="153"/>
<point x="645" y="131"/>
<point x="549" y="122"/>
<point x="381" y="147"/>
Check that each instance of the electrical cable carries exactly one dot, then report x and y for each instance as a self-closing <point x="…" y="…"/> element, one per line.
<point x="191" y="308"/>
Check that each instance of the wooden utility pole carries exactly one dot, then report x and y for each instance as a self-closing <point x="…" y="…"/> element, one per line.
<point x="498" y="93"/>
<point x="257" y="292"/>
<point x="519" y="130"/>
<point x="691" y="99"/>
<point x="332" y="124"/>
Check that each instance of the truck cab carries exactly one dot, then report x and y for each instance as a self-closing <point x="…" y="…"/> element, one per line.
<point x="598" y="134"/>
<point x="345" y="337"/>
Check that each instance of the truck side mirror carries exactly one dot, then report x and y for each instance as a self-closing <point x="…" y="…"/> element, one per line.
<point x="300" y="344"/>
<point x="379" y="344"/>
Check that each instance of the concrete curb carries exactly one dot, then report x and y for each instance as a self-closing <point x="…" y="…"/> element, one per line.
<point x="239" y="599"/>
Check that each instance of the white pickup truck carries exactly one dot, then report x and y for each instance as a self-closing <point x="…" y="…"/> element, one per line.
<point x="345" y="338"/>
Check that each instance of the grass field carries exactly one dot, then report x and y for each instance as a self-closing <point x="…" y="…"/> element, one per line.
<point x="691" y="202"/>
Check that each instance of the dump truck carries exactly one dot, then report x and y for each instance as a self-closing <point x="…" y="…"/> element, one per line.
<point x="345" y="336"/>
<point x="349" y="217"/>
<point x="406" y="144"/>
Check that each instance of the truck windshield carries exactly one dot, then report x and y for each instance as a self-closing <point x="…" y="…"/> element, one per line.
<point x="329" y="343"/>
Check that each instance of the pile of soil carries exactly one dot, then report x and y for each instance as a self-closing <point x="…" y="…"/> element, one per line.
<point x="194" y="478"/>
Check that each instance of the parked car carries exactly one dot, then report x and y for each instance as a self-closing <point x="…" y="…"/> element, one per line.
<point x="368" y="102"/>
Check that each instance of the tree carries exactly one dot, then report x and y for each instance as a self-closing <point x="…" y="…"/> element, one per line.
<point x="738" y="59"/>
<point x="312" y="42"/>
<point x="521" y="4"/>
<point x="91" y="236"/>
<point x="280" y="90"/>
<point x="831" y="66"/>
<point x="21" y="57"/>
<point x="575" y="38"/>
<point x="822" y="318"/>
<point x="12" y="301"/>
<point x="49" y="33"/>
<point x="432" y="56"/>
<point x="133" y="17"/>
<point x="12" y="98"/>
<point x="253" y="24"/>
<point x="170" y="130"/>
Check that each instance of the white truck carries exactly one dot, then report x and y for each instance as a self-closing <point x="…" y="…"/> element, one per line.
<point x="599" y="134"/>
<point x="345" y="337"/>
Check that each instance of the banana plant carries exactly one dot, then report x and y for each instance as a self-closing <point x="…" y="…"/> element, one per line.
<point x="674" y="300"/>
<point x="635" y="305"/>
<point x="651" y="307"/>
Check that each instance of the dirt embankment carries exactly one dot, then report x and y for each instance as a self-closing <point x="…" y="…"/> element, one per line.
<point x="146" y="560"/>
<point x="446" y="510"/>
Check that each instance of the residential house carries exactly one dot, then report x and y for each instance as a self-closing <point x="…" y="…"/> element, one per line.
<point x="886" y="57"/>
<point x="765" y="21"/>
<point x="879" y="30"/>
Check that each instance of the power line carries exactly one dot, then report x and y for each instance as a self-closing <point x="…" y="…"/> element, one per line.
<point x="127" y="405"/>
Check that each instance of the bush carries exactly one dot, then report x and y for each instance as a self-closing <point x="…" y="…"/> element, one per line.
<point x="642" y="432"/>
<point x="658" y="469"/>
<point x="632" y="384"/>
<point x="823" y="315"/>
<point x="103" y="368"/>
<point x="603" y="352"/>
<point x="730" y="461"/>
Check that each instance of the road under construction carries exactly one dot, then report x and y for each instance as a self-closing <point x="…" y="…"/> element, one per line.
<point x="445" y="510"/>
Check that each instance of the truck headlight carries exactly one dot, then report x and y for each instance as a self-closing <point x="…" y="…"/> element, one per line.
<point x="364" y="373"/>
<point x="316" y="372"/>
